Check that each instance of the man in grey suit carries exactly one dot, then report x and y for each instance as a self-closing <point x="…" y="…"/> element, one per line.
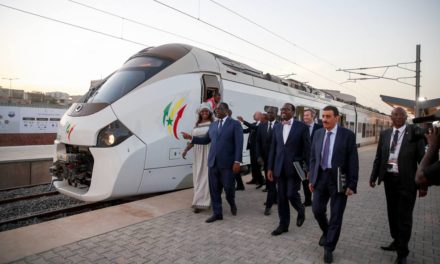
<point x="224" y="158"/>
<point x="395" y="164"/>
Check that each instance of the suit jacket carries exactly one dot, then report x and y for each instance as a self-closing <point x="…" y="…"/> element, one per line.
<point x="252" y="130"/>
<point x="315" y="127"/>
<point x="264" y="140"/>
<point x="410" y="155"/>
<point x="344" y="155"/>
<point x="297" y="148"/>
<point x="226" y="146"/>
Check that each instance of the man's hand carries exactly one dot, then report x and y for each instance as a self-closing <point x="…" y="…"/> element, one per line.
<point x="433" y="138"/>
<point x="423" y="192"/>
<point x="349" y="192"/>
<point x="421" y="180"/>
<point x="184" y="154"/>
<point x="240" y="118"/>
<point x="372" y="184"/>
<point x="270" y="175"/>
<point x="236" y="168"/>
<point x="312" y="189"/>
<point x="186" y="135"/>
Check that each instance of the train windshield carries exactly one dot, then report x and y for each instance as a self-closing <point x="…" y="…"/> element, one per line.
<point x="131" y="75"/>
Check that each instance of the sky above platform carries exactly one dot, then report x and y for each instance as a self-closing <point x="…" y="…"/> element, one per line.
<point x="311" y="39"/>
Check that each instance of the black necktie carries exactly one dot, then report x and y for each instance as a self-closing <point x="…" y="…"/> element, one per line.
<point x="394" y="143"/>
<point x="220" y="126"/>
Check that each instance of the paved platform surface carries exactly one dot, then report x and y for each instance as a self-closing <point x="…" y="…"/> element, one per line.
<point x="19" y="153"/>
<point x="183" y="237"/>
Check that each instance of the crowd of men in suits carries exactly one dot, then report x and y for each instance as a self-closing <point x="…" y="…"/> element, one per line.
<point x="328" y="154"/>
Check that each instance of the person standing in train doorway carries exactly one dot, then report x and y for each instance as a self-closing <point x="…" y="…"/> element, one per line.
<point x="395" y="164"/>
<point x="333" y="154"/>
<point x="290" y="143"/>
<point x="214" y="100"/>
<point x="225" y="156"/>
<point x="309" y="120"/>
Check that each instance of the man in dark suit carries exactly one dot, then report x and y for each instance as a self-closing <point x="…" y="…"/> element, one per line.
<point x="290" y="143"/>
<point x="264" y="140"/>
<point x="224" y="158"/>
<point x="333" y="149"/>
<point x="257" y="177"/>
<point x="395" y="164"/>
<point x="309" y="120"/>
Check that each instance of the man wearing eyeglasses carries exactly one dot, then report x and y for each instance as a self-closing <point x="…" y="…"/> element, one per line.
<point x="395" y="164"/>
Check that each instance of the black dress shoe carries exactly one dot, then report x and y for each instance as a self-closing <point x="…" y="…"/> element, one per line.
<point x="300" y="220"/>
<point x="328" y="256"/>
<point x="267" y="211"/>
<point x="400" y="260"/>
<point x="214" y="218"/>
<point x="307" y="204"/>
<point x="234" y="210"/>
<point x="251" y="182"/>
<point x="197" y="210"/>
<point x="259" y="186"/>
<point x="279" y="231"/>
<point x="390" y="247"/>
<point x="239" y="189"/>
<point x="322" y="240"/>
<point x="264" y="190"/>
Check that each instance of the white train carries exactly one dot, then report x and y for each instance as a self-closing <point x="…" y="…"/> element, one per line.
<point x="123" y="137"/>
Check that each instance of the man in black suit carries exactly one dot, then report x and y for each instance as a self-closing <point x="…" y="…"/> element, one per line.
<point x="290" y="143"/>
<point x="309" y="120"/>
<point x="333" y="150"/>
<point x="264" y="140"/>
<point x="395" y="164"/>
<point x="257" y="177"/>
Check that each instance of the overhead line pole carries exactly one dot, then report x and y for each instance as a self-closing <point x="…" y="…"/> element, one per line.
<point x="417" y="109"/>
<point x="417" y="106"/>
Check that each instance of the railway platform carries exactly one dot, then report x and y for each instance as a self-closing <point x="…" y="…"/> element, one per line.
<point x="163" y="229"/>
<point x="25" y="165"/>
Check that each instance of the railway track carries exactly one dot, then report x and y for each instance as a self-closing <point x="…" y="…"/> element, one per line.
<point x="50" y="215"/>
<point x="28" y="197"/>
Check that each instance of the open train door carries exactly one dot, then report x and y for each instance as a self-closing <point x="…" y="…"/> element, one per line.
<point x="210" y="86"/>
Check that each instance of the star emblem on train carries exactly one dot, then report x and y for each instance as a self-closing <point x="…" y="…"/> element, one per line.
<point x="172" y="113"/>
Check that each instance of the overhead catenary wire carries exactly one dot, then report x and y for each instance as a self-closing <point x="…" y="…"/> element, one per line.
<point x="257" y="46"/>
<point x="274" y="34"/>
<point x="74" y="25"/>
<point x="162" y="30"/>
<point x="145" y="45"/>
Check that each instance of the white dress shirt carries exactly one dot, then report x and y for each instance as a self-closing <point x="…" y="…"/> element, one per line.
<point x="392" y="159"/>
<point x="286" y="130"/>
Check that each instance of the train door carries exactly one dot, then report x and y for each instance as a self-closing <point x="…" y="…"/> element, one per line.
<point x="211" y="86"/>
<point x="299" y="113"/>
<point x="343" y="120"/>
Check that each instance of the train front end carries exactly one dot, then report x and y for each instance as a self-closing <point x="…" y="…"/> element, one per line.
<point x="103" y="140"/>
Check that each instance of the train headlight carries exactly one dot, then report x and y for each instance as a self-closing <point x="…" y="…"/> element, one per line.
<point x="113" y="134"/>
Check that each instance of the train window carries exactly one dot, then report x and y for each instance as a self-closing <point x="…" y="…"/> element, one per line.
<point x="352" y="126"/>
<point x="374" y="130"/>
<point x="210" y="86"/>
<point x="131" y="75"/>
<point x="363" y="129"/>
